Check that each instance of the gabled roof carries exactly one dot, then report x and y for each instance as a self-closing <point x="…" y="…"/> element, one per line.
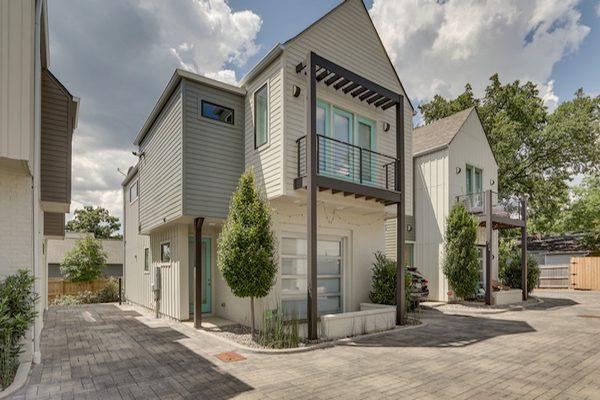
<point x="439" y="134"/>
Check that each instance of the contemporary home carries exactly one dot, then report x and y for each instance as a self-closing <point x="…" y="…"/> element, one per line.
<point x="57" y="249"/>
<point x="453" y="162"/>
<point x="37" y="119"/>
<point x="326" y="126"/>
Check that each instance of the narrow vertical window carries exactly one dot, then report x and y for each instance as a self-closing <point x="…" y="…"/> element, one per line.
<point x="261" y="124"/>
<point x="146" y="259"/>
<point x="133" y="192"/>
<point x="165" y="252"/>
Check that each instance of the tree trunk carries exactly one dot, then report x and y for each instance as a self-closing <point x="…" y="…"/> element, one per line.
<point x="252" y="316"/>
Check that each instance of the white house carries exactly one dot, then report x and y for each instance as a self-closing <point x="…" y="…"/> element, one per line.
<point x="318" y="120"/>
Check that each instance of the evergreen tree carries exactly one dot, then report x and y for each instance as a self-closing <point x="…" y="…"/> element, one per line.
<point x="246" y="247"/>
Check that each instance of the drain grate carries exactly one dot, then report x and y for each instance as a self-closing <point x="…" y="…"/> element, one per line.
<point x="230" y="356"/>
<point x="588" y="316"/>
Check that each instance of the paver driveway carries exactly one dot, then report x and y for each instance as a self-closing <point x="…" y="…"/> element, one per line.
<point x="549" y="351"/>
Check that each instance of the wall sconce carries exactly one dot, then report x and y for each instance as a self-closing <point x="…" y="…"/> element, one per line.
<point x="409" y="227"/>
<point x="492" y="182"/>
<point x="386" y="126"/>
<point x="458" y="169"/>
<point x="296" y="91"/>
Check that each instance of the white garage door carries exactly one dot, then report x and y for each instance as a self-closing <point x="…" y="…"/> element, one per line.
<point x="330" y="268"/>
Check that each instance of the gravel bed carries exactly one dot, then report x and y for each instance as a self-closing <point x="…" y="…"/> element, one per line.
<point x="482" y="308"/>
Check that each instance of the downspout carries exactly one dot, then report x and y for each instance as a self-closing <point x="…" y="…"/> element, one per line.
<point x="37" y="325"/>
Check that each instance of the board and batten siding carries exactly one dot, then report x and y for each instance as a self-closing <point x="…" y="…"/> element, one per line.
<point x="138" y="283"/>
<point x="267" y="160"/>
<point x="431" y="210"/>
<point x="57" y="129"/>
<point x="213" y="151"/>
<point x="346" y="37"/>
<point x="17" y="22"/>
<point x="161" y="167"/>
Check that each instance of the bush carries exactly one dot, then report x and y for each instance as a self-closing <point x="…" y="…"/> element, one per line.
<point x="509" y="266"/>
<point x="277" y="333"/>
<point x="85" y="261"/>
<point x="65" y="300"/>
<point x="460" y="255"/>
<point x="17" y="311"/>
<point x="110" y="292"/>
<point x="383" y="284"/>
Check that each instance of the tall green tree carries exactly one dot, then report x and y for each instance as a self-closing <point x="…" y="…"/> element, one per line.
<point x="96" y="220"/>
<point x="461" y="262"/>
<point x="85" y="261"/>
<point x="246" y="248"/>
<point x="537" y="152"/>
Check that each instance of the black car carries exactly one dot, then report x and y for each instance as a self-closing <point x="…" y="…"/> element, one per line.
<point x="418" y="287"/>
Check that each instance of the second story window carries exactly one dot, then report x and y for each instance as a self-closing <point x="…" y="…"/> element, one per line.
<point x="133" y="192"/>
<point x="474" y="180"/>
<point x="217" y="112"/>
<point x="261" y="124"/>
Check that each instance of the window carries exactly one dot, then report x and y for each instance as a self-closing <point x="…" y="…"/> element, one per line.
<point x="133" y="192"/>
<point x="365" y="138"/>
<point x="481" y="269"/>
<point x="294" y="279"/>
<point x="261" y="125"/>
<point x="475" y="186"/>
<point x="165" y="252"/>
<point x="217" y="112"/>
<point x="146" y="259"/>
<point x="409" y="254"/>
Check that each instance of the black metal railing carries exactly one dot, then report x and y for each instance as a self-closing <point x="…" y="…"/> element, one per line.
<point x="502" y="204"/>
<point x="342" y="160"/>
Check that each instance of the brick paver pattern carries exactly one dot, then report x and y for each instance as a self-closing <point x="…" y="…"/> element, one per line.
<point x="548" y="351"/>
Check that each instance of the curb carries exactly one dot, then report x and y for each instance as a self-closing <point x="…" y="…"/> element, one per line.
<point x="19" y="381"/>
<point x="492" y="311"/>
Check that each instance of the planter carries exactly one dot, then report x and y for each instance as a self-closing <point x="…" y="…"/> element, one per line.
<point x="507" y="297"/>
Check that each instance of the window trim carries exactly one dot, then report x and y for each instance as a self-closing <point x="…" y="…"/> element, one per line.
<point x="472" y="170"/>
<point x="256" y="145"/>
<point x="168" y="242"/>
<point x="202" y="102"/>
<point x="137" y="191"/>
<point x="146" y="260"/>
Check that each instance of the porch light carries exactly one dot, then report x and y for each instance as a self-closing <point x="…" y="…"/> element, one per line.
<point x="458" y="169"/>
<point x="492" y="182"/>
<point x="296" y="91"/>
<point x="409" y="227"/>
<point x="386" y="126"/>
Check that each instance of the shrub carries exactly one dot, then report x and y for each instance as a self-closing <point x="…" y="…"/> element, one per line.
<point x="246" y="248"/>
<point x="460" y="255"/>
<point x="509" y="267"/>
<point x="110" y="292"/>
<point x="17" y="311"/>
<point x="85" y="261"/>
<point x="277" y="333"/>
<point x="65" y="300"/>
<point x="383" y="284"/>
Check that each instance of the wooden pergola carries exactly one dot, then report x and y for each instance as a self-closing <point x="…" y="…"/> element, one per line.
<point x="322" y="71"/>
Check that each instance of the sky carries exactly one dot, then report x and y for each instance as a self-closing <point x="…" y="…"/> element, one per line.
<point x="118" y="55"/>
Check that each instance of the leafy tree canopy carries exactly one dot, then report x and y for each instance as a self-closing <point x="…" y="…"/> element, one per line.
<point x="246" y="248"/>
<point x="96" y="220"/>
<point x="85" y="261"/>
<point x="537" y="152"/>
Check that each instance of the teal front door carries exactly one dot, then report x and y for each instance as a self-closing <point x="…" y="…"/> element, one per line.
<point x="206" y="275"/>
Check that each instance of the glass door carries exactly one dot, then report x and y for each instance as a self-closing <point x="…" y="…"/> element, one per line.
<point x="206" y="274"/>
<point x="365" y="139"/>
<point x="341" y="152"/>
<point x="323" y="130"/>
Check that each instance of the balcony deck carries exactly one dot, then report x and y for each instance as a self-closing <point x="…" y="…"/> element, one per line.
<point x="351" y="170"/>
<point x="506" y="211"/>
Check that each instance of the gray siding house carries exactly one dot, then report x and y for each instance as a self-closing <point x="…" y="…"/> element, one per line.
<point x="324" y="122"/>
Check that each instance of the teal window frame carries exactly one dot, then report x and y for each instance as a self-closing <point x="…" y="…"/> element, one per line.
<point x="474" y="179"/>
<point x="344" y="113"/>
<point x="259" y="142"/>
<point x="326" y="107"/>
<point x="373" y="126"/>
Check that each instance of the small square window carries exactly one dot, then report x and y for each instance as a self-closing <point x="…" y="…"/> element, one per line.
<point x="217" y="112"/>
<point x="165" y="252"/>
<point x="146" y="259"/>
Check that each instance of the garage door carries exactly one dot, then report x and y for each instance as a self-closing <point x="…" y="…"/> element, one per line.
<point x="330" y="266"/>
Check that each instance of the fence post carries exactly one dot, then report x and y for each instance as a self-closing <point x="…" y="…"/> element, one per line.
<point x="120" y="291"/>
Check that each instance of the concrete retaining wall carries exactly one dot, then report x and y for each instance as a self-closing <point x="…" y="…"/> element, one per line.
<point x="371" y="318"/>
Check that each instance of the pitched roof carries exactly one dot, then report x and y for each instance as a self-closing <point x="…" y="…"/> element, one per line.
<point x="438" y="134"/>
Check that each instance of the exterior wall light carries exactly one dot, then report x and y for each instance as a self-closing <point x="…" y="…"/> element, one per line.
<point x="458" y="169"/>
<point x="386" y="126"/>
<point x="296" y="91"/>
<point x="409" y="227"/>
<point x="492" y="182"/>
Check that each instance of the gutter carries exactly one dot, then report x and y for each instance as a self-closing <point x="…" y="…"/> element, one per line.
<point x="262" y="64"/>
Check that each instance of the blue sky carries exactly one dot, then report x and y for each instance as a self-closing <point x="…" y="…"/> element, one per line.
<point x="117" y="56"/>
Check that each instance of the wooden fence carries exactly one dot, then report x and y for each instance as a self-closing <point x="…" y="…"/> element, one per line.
<point x="585" y="273"/>
<point x="59" y="287"/>
<point x="555" y="276"/>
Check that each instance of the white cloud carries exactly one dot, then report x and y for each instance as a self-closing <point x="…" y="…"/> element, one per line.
<point x="438" y="47"/>
<point x="547" y="94"/>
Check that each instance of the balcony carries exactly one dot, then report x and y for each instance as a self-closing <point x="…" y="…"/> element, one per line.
<point x="506" y="210"/>
<point x="349" y="168"/>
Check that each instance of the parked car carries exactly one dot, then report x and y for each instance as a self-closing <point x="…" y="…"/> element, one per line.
<point x="418" y="288"/>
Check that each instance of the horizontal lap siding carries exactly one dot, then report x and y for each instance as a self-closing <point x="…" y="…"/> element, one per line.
<point x="347" y="38"/>
<point x="213" y="152"/>
<point x="16" y="78"/>
<point x="160" y="169"/>
<point x="267" y="161"/>
<point x="57" y="127"/>
<point x="54" y="224"/>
